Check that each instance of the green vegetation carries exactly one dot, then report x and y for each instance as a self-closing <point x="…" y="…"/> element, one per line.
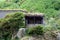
<point x="10" y="4"/>
<point x="35" y="30"/>
<point x="10" y="24"/>
<point x="51" y="8"/>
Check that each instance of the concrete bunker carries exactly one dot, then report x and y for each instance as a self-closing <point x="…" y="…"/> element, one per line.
<point x="33" y="19"/>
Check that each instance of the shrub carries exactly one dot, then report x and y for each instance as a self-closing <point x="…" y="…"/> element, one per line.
<point x="35" y="31"/>
<point x="10" y="24"/>
<point x="58" y="24"/>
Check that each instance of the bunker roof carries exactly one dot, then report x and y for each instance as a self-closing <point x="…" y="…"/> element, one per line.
<point x="24" y="11"/>
<point x="34" y="14"/>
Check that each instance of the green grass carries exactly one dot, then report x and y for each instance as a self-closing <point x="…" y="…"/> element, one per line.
<point x="49" y="7"/>
<point x="2" y="0"/>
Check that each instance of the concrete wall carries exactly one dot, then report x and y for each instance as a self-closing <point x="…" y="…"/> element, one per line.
<point x="32" y="25"/>
<point x="4" y="12"/>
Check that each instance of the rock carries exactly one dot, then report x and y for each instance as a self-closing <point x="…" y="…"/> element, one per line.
<point x="58" y="36"/>
<point x="21" y="33"/>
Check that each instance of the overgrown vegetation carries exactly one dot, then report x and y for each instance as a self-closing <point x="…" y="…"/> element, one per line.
<point x="51" y="8"/>
<point x="10" y="24"/>
<point x="38" y="30"/>
<point x="11" y="4"/>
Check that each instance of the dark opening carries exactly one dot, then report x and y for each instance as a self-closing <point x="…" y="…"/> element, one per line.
<point x="38" y="20"/>
<point x="33" y="19"/>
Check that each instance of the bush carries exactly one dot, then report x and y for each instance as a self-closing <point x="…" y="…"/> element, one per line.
<point x="10" y="24"/>
<point x="35" y="31"/>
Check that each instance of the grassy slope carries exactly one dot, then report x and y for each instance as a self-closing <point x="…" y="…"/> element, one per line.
<point x="44" y="6"/>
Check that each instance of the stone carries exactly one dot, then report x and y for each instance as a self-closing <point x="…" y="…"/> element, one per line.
<point x="21" y="33"/>
<point x="58" y="36"/>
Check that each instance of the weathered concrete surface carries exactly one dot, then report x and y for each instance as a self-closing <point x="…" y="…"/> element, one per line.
<point x="4" y="12"/>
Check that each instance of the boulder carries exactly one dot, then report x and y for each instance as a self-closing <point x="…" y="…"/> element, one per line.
<point x="21" y="33"/>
